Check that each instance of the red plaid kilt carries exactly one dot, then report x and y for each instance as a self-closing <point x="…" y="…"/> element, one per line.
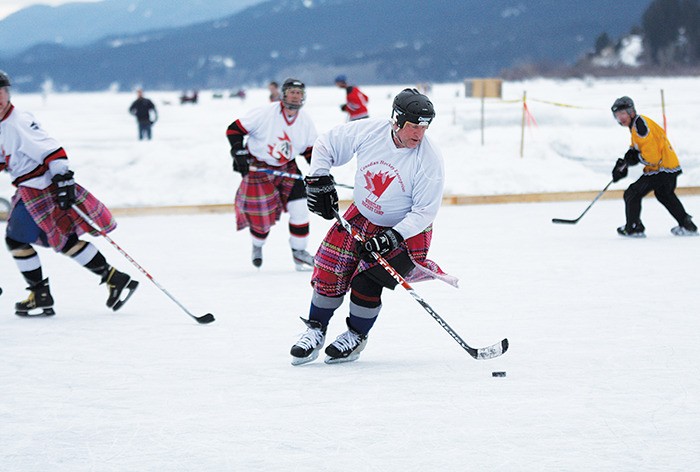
<point x="336" y="261"/>
<point x="261" y="198"/>
<point x="60" y="224"/>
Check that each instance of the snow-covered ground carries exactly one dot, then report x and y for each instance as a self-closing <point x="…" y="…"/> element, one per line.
<point x="603" y="369"/>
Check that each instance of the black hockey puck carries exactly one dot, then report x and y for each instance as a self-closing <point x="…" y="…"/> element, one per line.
<point x="498" y="374"/>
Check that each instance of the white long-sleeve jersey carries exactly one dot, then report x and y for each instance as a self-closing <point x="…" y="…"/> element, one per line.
<point x="31" y="156"/>
<point x="275" y="139"/>
<point x="394" y="187"/>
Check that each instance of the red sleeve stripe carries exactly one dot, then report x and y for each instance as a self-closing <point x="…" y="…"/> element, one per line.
<point x="41" y="169"/>
<point x="236" y="128"/>
<point x="57" y="154"/>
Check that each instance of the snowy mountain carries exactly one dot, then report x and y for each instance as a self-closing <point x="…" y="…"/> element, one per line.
<point x="373" y="42"/>
<point x="79" y="24"/>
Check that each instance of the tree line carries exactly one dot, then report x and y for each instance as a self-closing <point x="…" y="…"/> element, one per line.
<point x="670" y="31"/>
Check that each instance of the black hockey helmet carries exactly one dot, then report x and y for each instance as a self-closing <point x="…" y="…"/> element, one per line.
<point x="290" y="84"/>
<point x="411" y="105"/>
<point x="4" y="79"/>
<point x="623" y="103"/>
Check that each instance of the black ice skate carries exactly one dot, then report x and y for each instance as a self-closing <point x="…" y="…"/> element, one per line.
<point x="117" y="282"/>
<point x="635" y="230"/>
<point x="309" y="344"/>
<point x="39" y="299"/>
<point x="687" y="228"/>
<point x="257" y="255"/>
<point x="346" y="347"/>
<point x="303" y="261"/>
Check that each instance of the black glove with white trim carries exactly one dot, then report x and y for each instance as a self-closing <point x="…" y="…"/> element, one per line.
<point x="620" y="170"/>
<point x="65" y="193"/>
<point x="240" y="160"/>
<point x="383" y="243"/>
<point x="321" y="195"/>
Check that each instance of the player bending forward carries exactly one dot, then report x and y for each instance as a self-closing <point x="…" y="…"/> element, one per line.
<point x="398" y="192"/>
<point x="41" y="210"/>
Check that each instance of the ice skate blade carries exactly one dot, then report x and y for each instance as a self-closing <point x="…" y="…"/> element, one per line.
<point x="682" y="232"/>
<point x="341" y="360"/>
<point x="28" y="314"/>
<point x="130" y="288"/>
<point x="305" y="360"/>
<point x="303" y="267"/>
<point x="633" y="235"/>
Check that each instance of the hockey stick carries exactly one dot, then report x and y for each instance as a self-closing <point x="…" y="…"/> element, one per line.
<point x="204" y="319"/>
<point x="489" y="352"/>
<point x="287" y="174"/>
<point x="573" y="222"/>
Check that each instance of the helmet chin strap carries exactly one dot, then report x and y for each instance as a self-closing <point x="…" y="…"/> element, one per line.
<point x="395" y="135"/>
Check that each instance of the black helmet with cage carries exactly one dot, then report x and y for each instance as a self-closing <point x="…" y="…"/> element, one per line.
<point x="623" y="103"/>
<point x="4" y="79"/>
<point x="411" y="105"/>
<point x="291" y="84"/>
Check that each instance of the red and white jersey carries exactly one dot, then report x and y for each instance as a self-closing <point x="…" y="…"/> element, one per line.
<point x="394" y="187"/>
<point x="356" y="105"/>
<point x="27" y="152"/>
<point x="273" y="137"/>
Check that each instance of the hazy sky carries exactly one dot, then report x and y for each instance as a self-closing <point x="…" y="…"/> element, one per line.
<point x="10" y="6"/>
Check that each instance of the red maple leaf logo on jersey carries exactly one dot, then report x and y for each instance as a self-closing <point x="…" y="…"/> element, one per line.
<point x="282" y="151"/>
<point x="378" y="183"/>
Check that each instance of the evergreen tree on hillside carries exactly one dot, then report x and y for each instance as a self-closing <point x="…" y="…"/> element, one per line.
<point x="671" y="31"/>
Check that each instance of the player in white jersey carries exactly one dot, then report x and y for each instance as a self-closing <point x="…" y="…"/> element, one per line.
<point x="42" y="209"/>
<point x="276" y="134"/>
<point x="398" y="191"/>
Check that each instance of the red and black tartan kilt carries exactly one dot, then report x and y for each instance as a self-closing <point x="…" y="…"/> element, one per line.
<point x="336" y="261"/>
<point x="59" y="224"/>
<point x="261" y="198"/>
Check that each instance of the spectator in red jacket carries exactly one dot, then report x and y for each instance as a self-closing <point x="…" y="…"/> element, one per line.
<point x="356" y="101"/>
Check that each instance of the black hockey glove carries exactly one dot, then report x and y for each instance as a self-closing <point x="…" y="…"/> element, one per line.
<point x="343" y="107"/>
<point x="65" y="192"/>
<point x="631" y="157"/>
<point x="620" y="170"/>
<point x="382" y="244"/>
<point x="240" y="161"/>
<point x="321" y="196"/>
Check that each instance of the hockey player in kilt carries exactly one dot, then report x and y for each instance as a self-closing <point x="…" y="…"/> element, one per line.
<point x="41" y="211"/>
<point x="651" y="147"/>
<point x="276" y="134"/>
<point x="397" y="194"/>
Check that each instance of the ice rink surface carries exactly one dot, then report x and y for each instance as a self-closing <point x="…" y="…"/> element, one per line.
<point x="603" y="371"/>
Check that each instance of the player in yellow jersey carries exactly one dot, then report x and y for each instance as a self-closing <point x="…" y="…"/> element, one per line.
<point x="651" y="147"/>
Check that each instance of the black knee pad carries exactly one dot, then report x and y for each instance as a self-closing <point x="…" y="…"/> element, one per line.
<point x="298" y="191"/>
<point x="72" y="241"/>
<point x="13" y="244"/>
<point x="401" y="263"/>
<point x="365" y="291"/>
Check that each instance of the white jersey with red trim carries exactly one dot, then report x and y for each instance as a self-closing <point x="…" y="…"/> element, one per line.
<point x="273" y="137"/>
<point x="27" y="151"/>
<point x="394" y="187"/>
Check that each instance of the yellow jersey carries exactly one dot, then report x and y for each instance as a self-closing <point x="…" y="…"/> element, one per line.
<point x="655" y="150"/>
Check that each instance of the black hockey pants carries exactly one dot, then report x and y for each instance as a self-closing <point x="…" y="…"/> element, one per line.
<point x="664" y="186"/>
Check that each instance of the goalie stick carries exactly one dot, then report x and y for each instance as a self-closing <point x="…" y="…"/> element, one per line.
<point x="573" y="222"/>
<point x="204" y="319"/>
<point x="481" y="353"/>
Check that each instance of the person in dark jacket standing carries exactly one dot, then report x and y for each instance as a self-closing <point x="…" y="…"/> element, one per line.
<point x="141" y="109"/>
